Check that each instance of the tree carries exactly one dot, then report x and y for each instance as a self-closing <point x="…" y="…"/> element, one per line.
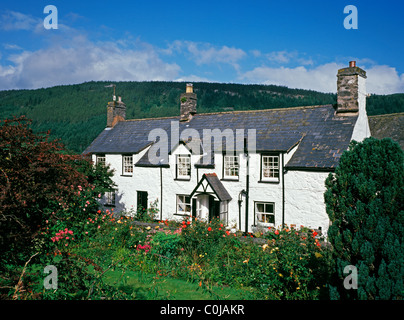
<point x="364" y="201"/>
<point x="40" y="186"/>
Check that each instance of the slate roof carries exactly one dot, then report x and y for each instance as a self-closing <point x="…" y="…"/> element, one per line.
<point x="216" y="185"/>
<point x="388" y="126"/>
<point x="322" y="135"/>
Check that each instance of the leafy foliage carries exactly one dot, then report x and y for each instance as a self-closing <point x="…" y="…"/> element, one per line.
<point x="365" y="203"/>
<point x="43" y="189"/>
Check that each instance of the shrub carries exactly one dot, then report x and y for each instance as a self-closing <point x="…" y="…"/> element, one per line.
<point x="365" y="203"/>
<point x="42" y="188"/>
<point x="202" y="238"/>
<point x="166" y="243"/>
<point x="299" y="264"/>
<point x="145" y="215"/>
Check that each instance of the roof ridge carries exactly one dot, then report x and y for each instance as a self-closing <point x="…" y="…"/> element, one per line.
<point x="172" y="117"/>
<point x="387" y="114"/>
<point x="263" y="110"/>
<point x="237" y="111"/>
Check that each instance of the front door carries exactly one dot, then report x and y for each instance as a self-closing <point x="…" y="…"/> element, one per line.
<point x="205" y="207"/>
<point x="214" y="208"/>
<point x="142" y="200"/>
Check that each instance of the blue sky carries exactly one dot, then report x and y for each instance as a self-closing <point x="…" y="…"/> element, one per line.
<point x="300" y="44"/>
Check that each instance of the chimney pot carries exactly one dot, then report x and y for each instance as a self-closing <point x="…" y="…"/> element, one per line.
<point x="188" y="103"/>
<point x="189" y="88"/>
<point x="352" y="64"/>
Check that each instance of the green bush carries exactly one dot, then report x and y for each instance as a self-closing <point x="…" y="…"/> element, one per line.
<point x="365" y="203"/>
<point x="201" y="237"/>
<point x="290" y="265"/>
<point x="166" y="244"/>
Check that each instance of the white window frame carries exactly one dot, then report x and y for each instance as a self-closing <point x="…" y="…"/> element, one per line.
<point x="100" y="159"/>
<point x="110" y="198"/>
<point x="231" y="166"/>
<point x="127" y="164"/>
<point x="183" y="204"/>
<point x="270" y="167"/>
<point x="264" y="214"/>
<point x="183" y="165"/>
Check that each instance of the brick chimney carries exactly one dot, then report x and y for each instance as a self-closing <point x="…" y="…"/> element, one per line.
<point x="351" y="89"/>
<point x="351" y="98"/>
<point x="116" y="111"/>
<point x="188" y="103"/>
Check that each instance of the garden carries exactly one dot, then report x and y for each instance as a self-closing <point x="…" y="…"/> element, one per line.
<point x="58" y="243"/>
<point x="116" y="257"/>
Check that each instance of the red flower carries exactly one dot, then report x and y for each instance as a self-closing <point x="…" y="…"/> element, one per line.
<point x="209" y="229"/>
<point x="276" y="232"/>
<point x="314" y="234"/>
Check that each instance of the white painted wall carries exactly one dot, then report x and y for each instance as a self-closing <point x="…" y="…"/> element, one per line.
<point x="361" y="129"/>
<point x="304" y="200"/>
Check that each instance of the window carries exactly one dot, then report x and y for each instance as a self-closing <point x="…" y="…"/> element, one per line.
<point x="230" y="167"/>
<point x="100" y="159"/>
<point x="183" y="166"/>
<point x="127" y="165"/>
<point x="265" y="212"/>
<point x="183" y="204"/>
<point x="270" y="168"/>
<point x="110" y="198"/>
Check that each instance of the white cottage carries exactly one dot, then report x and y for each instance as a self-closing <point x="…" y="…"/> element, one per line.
<point x="251" y="169"/>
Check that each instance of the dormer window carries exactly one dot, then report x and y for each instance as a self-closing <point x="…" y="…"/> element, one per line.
<point x="183" y="166"/>
<point x="270" y="168"/>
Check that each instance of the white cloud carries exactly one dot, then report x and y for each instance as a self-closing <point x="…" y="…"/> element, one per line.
<point x="11" y="20"/>
<point x="206" y="53"/>
<point x="383" y="79"/>
<point x="380" y="79"/>
<point x="11" y="46"/>
<point x="193" y="78"/>
<point x="81" y="60"/>
<point x="282" y="57"/>
<point x="322" y="78"/>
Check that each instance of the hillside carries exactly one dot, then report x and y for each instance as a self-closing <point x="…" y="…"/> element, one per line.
<point x="77" y="113"/>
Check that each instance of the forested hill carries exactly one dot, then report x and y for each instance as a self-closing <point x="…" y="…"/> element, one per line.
<point x="77" y="113"/>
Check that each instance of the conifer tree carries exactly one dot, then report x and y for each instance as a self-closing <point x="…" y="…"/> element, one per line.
<point x="365" y="204"/>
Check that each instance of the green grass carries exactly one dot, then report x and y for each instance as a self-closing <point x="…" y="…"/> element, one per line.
<point x="143" y="286"/>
